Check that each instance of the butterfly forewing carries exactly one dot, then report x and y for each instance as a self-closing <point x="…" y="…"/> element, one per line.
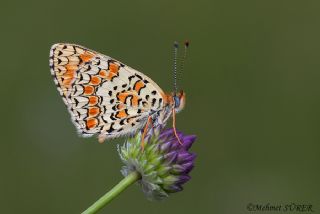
<point x="103" y="95"/>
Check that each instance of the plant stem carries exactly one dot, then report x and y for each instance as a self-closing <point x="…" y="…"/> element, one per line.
<point x="114" y="192"/>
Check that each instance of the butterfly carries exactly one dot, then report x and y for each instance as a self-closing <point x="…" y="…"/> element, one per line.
<point x="106" y="97"/>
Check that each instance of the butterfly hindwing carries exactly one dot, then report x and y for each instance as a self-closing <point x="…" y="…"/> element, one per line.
<point x="103" y="95"/>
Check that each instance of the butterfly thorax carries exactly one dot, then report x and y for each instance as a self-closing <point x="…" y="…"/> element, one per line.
<point x="174" y="100"/>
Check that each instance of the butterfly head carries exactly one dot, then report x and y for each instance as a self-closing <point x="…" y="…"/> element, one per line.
<point x="179" y="101"/>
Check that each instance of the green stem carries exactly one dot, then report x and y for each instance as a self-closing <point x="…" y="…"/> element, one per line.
<point x="114" y="192"/>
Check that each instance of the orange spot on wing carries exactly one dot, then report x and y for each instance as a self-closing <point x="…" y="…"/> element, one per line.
<point x="88" y="89"/>
<point x="122" y="97"/>
<point x="110" y="76"/>
<point x="93" y="100"/>
<point x="134" y="100"/>
<point x="91" y="123"/>
<point x="138" y="86"/>
<point x="94" y="111"/>
<point x="120" y="106"/>
<point x="67" y="83"/>
<point x="68" y="75"/>
<point x="121" y="114"/>
<point x="103" y="73"/>
<point x="95" y="80"/>
<point x="113" y="70"/>
<point x="86" y="56"/>
<point x="70" y="67"/>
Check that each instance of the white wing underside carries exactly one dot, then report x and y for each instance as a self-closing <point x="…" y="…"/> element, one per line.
<point x="104" y="96"/>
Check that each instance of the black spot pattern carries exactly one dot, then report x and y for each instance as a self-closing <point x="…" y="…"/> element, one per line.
<point x="137" y="75"/>
<point x="130" y="78"/>
<point x="111" y="129"/>
<point x="122" y="122"/>
<point x="154" y="100"/>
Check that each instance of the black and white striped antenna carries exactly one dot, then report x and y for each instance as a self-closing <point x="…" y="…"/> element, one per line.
<point x="183" y="58"/>
<point x="175" y="53"/>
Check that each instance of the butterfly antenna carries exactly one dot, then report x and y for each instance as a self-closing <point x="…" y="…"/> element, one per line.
<point x="175" y="53"/>
<point x="183" y="59"/>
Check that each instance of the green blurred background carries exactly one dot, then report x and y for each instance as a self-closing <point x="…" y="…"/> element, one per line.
<point x="253" y="98"/>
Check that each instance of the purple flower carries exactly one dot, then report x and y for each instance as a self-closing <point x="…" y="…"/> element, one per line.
<point x="164" y="164"/>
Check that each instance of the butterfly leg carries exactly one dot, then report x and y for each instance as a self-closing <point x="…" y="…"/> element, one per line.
<point x="174" y="125"/>
<point x="145" y="132"/>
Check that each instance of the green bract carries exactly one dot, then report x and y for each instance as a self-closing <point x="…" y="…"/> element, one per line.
<point x="164" y="164"/>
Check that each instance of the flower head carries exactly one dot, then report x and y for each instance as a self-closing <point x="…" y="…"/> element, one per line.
<point x="164" y="164"/>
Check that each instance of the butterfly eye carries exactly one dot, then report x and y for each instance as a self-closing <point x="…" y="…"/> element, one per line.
<point x="176" y="101"/>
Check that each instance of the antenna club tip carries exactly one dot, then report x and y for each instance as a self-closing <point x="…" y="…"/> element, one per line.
<point x="175" y="44"/>
<point x="187" y="43"/>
